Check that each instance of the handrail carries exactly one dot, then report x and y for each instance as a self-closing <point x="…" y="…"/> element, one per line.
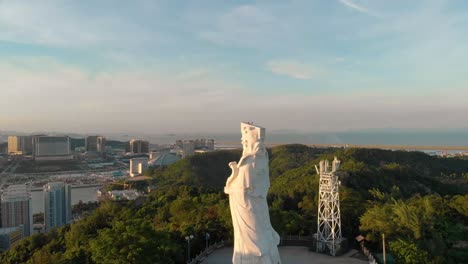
<point x="368" y="254"/>
<point x="202" y="255"/>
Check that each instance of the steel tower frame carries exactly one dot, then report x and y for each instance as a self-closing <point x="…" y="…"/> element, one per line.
<point x="329" y="219"/>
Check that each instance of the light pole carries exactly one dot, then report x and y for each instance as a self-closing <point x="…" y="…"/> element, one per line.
<point x="188" y="238"/>
<point x="383" y="248"/>
<point x="207" y="237"/>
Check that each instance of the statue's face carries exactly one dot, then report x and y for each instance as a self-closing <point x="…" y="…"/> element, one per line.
<point x="248" y="138"/>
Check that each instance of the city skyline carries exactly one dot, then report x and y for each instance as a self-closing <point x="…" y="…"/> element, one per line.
<point x="204" y="66"/>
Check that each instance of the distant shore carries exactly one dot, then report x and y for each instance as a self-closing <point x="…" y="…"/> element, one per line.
<point x="231" y="144"/>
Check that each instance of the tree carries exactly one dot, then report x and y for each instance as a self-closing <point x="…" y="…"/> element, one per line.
<point x="460" y="204"/>
<point x="408" y="252"/>
<point x="132" y="242"/>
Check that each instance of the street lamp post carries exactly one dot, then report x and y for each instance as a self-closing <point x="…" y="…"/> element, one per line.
<point x="207" y="237"/>
<point x="188" y="238"/>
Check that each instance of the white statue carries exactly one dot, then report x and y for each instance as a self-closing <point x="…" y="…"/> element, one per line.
<point x="255" y="240"/>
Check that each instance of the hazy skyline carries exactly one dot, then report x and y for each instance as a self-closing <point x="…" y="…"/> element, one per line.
<point x="198" y="66"/>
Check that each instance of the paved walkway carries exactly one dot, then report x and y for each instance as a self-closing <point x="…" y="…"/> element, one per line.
<point x="289" y="255"/>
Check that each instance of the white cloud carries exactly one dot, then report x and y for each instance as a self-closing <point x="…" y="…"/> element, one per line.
<point x="245" y="25"/>
<point x="292" y="69"/>
<point x="338" y="59"/>
<point x="63" y="98"/>
<point x="357" y="7"/>
<point x="193" y="74"/>
<point x="50" y="95"/>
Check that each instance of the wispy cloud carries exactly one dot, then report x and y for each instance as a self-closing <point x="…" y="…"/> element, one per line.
<point x="172" y="62"/>
<point x="68" y="24"/>
<point x="357" y="7"/>
<point x="292" y="69"/>
<point x="338" y="59"/>
<point x="164" y="104"/>
<point x="246" y="25"/>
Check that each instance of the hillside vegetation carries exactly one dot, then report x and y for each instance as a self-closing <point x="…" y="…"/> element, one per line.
<point x="420" y="202"/>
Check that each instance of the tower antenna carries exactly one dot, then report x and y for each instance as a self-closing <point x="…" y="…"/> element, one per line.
<point x="329" y="220"/>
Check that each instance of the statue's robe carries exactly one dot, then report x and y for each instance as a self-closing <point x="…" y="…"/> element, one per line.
<point x="255" y="240"/>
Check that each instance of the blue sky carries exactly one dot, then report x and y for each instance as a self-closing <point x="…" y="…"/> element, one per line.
<point x="203" y="66"/>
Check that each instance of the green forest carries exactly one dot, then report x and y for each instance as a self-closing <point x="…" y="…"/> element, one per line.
<point x="419" y="202"/>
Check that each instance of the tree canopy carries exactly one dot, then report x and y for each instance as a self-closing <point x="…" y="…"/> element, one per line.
<point x="418" y="201"/>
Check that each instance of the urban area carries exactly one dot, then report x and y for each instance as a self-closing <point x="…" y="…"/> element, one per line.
<point x="60" y="167"/>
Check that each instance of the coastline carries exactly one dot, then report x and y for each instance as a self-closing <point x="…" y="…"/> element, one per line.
<point x="231" y="144"/>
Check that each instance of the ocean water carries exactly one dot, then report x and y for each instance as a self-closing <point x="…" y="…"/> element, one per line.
<point x="361" y="138"/>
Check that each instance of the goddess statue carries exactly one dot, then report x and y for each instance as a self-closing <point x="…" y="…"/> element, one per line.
<point x="255" y="240"/>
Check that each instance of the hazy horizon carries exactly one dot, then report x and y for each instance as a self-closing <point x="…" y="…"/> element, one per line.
<point x="235" y="132"/>
<point x="177" y="66"/>
<point x="375" y="137"/>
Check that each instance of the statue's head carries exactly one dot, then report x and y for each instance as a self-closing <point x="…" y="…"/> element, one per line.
<point x="252" y="136"/>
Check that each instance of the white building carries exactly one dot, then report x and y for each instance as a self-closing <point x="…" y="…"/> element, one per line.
<point x="138" y="166"/>
<point x="124" y="195"/>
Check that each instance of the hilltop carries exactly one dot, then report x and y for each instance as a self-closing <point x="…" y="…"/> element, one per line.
<point x="418" y="201"/>
<point x="364" y="169"/>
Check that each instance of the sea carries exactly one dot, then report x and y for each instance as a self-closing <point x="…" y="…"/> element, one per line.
<point x="457" y="138"/>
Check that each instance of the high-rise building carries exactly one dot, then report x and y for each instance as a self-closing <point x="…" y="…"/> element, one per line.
<point x="138" y="166"/>
<point x="19" y="145"/>
<point x="52" y="148"/>
<point x="210" y="144"/>
<point x="15" y="145"/>
<point x="57" y="204"/>
<point x="203" y="144"/>
<point x="9" y="236"/>
<point x="96" y="144"/>
<point x="4" y="148"/>
<point x="27" y="144"/>
<point x="188" y="148"/>
<point x="139" y="146"/>
<point x="16" y="207"/>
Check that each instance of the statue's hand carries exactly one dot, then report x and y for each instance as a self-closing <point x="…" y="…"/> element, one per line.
<point x="233" y="165"/>
<point x="235" y="171"/>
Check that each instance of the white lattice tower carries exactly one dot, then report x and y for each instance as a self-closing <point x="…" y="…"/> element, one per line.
<point x="329" y="221"/>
